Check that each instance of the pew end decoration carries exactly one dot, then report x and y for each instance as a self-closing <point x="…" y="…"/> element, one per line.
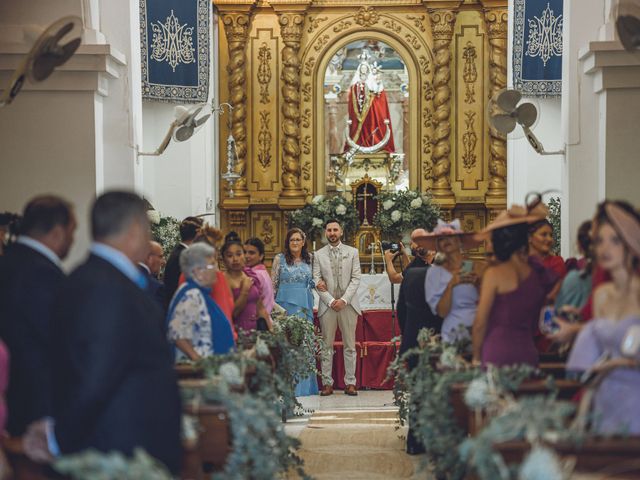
<point x="312" y="217"/>
<point x="403" y="211"/>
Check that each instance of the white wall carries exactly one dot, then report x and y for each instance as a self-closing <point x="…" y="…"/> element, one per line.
<point x="72" y="134"/>
<point x="183" y="181"/>
<point x="527" y="171"/>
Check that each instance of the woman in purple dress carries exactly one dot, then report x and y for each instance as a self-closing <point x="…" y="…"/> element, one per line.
<point x="512" y="294"/>
<point x="599" y="346"/>
<point x="248" y="306"/>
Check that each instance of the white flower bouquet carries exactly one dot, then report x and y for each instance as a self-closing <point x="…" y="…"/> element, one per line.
<point x="312" y="217"/>
<point x="404" y="211"/>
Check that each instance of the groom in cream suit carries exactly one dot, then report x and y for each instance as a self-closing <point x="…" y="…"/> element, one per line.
<point x="336" y="272"/>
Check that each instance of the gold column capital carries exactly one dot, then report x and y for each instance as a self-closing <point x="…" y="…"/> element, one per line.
<point x="497" y="22"/>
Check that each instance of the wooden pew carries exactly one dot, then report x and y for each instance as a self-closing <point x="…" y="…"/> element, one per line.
<point x="555" y="369"/>
<point x="24" y="468"/>
<point x="466" y="418"/>
<point x="214" y="443"/>
<point x="620" y="456"/>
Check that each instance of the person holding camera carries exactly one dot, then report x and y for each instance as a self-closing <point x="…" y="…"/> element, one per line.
<point x="514" y="290"/>
<point x="451" y="289"/>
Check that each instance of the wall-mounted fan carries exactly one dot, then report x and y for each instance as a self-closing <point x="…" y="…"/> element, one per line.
<point x="627" y="17"/>
<point x="53" y="47"/>
<point x="188" y="120"/>
<point x="506" y="111"/>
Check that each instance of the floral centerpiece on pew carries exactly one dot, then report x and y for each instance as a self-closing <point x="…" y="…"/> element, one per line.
<point x="424" y="398"/>
<point x="403" y="211"/>
<point x="312" y="217"/>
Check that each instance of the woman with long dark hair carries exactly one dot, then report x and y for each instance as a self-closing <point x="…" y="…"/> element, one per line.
<point x="293" y="281"/>
<point x="599" y="346"/>
<point x="254" y="260"/>
<point x="513" y="292"/>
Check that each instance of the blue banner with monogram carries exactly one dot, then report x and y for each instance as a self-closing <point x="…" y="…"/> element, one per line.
<point x="175" y="50"/>
<point x="537" y="47"/>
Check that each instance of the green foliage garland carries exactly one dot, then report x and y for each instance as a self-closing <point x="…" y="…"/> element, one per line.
<point x="405" y="210"/>
<point x="94" y="465"/>
<point x="312" y="217"/>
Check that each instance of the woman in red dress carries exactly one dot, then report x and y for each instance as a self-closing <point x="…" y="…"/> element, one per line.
<point x="541" y="243"/>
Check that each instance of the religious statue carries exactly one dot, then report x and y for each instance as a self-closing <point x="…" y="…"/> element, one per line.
<point x="368" y="107"/>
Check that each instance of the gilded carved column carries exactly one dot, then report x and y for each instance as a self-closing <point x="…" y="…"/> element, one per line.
<point x="442" y="23"/>
<point x="497" y="31"/>
<point x="291" y="26"/>
<point x="236" y="27"/>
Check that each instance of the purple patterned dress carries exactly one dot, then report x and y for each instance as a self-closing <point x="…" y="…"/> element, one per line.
<point x="615" y="404"/>
<point x="514" y="318"/>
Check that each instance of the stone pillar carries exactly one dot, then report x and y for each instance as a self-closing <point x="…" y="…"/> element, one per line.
<point x="496" y="20"/>
<point x="291" y="18"/>
<point x="405" y="131"/>
<point x="334" y="143"/>
<point x="237" y="24"/>
<point x="442" y="23"/>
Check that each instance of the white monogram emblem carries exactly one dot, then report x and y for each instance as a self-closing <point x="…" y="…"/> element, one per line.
<point x="545" y="37"/>
<point x="172" y="42"/>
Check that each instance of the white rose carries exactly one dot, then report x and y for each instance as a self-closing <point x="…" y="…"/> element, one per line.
<point x="387" y="204"/>
<point x="317" y="199"/>
<point x="396" y="215"/>
<point x="341" y="209"/>
<point x="413" y="194"/>
<point x="230" y="373"/>
<point x="416" y="203"/>
<point x="153" y="216"/>
<point x="316" y="222"/>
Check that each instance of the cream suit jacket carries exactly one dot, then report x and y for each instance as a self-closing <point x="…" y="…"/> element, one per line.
<point x="350" y="276"/>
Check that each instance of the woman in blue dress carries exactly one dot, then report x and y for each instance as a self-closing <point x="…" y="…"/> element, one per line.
<point x="292" y="283"/>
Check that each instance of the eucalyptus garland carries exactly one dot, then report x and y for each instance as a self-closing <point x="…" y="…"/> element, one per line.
<point x="94" y="465"/>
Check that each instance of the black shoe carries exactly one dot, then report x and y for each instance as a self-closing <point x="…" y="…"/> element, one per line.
<point x="414" y="446"/>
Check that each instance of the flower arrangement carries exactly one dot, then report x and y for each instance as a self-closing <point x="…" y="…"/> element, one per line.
<point x="164" y="230"/>
<point x="94" y="465"/>
<point x="405" y="210"/>
<point x="312" y="217"/>
<point x="555" y="211"/>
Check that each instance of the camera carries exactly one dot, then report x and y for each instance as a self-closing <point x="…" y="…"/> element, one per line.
<point x="394" y="247"/>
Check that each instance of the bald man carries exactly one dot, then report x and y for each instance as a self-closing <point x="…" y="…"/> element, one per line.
<point x="151" y="268"/>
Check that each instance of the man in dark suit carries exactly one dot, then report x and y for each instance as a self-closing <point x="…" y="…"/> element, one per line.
<point x="414" y="314"/>
<point x="30" y="275"/>
<point x="150" y="268"/>
<point x="114" y="383"/>
<point x="188" y="230"/>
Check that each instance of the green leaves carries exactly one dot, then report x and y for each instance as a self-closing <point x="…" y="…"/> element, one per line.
<point x="312" y="217"/>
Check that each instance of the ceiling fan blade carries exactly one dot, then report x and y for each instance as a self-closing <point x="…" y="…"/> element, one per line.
<point x="527" y="113"/>
<point x="47" y="61"/>
<point x="628" y="28"/>
<point x="183" y="133"/>
<point x="202" y="119"/>
<point x="503" y="123"/>
<point x="508" y="99"/>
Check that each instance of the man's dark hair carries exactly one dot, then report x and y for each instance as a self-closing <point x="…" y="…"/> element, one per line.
<point x="332" y="220"/>
<point x="189" y="228"/>
<point x="43" y="213"/>
<point x="113" y="212"/>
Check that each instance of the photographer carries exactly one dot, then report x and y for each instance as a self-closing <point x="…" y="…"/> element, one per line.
<point x="392" y="251"/>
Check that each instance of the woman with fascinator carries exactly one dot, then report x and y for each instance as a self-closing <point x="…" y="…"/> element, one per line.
<point x="451" y="289"/>
<point x="514" y="290"/>
<point x="603" y="346"/>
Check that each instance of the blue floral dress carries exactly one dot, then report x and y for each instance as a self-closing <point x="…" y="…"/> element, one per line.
<point x="293" y="284"/>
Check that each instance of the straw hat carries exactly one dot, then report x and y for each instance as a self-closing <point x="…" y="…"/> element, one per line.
<point x="517" y="214"/>
<point x="626" y="225"/>
<point x="443" y="229"/>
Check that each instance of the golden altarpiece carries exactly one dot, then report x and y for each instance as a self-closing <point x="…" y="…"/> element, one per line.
<point x="275" y="58"/>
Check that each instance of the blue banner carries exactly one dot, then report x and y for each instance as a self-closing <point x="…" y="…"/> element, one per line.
<point x="175" y="50"/>
<point x="537" y="47"/>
